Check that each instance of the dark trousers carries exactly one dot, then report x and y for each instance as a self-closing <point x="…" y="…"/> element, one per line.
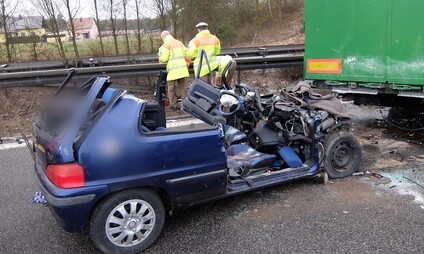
<point x="176" y="90"/>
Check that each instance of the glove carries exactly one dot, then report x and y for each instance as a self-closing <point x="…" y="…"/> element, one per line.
<point x="188" y="61"/>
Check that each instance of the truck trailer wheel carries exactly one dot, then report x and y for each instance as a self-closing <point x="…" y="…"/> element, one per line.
<point x="127" y="222"/>
<point x="342" y="154"/>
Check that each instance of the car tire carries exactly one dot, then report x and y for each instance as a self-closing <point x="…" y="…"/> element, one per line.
<point x="127" y="222"/>
<point x="342" y="154"/>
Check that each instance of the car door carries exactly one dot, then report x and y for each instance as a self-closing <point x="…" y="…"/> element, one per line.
<point x="191" y="164"/>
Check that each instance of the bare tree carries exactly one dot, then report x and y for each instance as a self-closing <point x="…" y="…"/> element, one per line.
<point x="192" y="12"/>
<point x="161" y="7"/>
<point x="111" y="9"/>
<point x="7" y="8"/>
<point x="287" y="6"/>
<point x="280" y="9"/>
<point x="72" y="11"/>
<point x="137" y="9"/>
<point x="124" y="5"/>
<point x="98" y="27"/>
<point x="173" y="15"/>
<point x="269" y="3"/>
<point x="50" y="9"/>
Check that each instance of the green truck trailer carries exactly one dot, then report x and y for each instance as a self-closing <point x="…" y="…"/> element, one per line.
<point x="370" y="49"/>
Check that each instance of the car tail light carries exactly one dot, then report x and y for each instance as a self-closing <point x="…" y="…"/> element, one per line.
<point x="66" y="176"/>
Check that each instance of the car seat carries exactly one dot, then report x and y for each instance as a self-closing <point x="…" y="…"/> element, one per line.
<point x="202" y="101"/>
<point x="242" y="160"/>
<point x="234" y="136"/>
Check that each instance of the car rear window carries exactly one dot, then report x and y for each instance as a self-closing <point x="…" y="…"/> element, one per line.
<point x="61" y="110"/>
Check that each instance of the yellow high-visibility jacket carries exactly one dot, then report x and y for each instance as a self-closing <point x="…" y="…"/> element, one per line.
<point x="210" y="44"/>
<point x="223" y="61"/>
<point x="173" y="53"/>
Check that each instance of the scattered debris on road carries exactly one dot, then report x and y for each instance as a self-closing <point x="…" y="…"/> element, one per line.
<point x="38" y="198"/>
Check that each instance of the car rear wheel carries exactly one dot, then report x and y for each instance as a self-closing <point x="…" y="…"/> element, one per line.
<point x="127" y="222"/>
<point x="342" y="154"/>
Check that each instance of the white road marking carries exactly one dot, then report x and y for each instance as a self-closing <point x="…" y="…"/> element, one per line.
<point x="11" y="145"/>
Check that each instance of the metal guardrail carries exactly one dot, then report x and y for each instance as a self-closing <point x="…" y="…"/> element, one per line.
<point x="266" y="59"/>
<point x="47" y="77"/>
<point x="140" y="58"/>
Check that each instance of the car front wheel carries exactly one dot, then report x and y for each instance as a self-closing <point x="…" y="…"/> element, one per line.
<point x="127" y="222"/>
<point x="342" y="154"/>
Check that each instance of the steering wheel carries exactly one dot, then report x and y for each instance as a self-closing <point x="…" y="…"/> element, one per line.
<point x="232" y="109"/>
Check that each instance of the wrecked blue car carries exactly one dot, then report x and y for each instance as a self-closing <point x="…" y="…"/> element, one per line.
<point x="107" y="163"/>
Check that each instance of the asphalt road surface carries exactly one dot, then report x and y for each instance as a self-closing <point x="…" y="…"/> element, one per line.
<point x="359" y="214"/>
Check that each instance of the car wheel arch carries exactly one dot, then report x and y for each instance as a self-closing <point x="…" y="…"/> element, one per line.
<point x="165" y="198"/>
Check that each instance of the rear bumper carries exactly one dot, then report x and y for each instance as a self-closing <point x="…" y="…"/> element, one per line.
<point x="68" y="201"/>
<point x="70" y="207"/>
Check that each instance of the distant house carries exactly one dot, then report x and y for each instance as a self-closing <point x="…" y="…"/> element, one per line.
<point x="85" y="28"/>
<point x="24" y="27"/>
<point x="27" y="26"/>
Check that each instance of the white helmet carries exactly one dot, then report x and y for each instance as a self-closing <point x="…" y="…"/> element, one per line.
<point x="202" y="24"/>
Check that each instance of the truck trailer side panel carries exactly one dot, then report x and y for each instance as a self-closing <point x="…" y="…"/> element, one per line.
<point x="379" y="41"/>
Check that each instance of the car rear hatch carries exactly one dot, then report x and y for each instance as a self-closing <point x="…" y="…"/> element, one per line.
<point x="65" y="121"/>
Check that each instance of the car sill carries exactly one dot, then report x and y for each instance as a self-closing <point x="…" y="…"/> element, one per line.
<point x="196" y="177"/>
